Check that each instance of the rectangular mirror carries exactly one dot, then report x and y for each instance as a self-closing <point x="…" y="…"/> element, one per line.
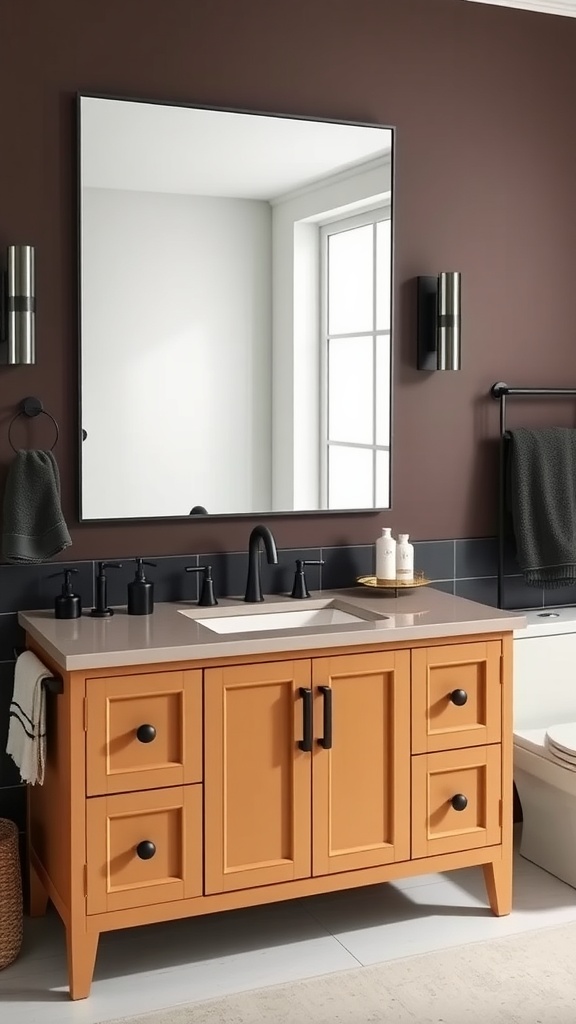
<point x="235" y="312"/>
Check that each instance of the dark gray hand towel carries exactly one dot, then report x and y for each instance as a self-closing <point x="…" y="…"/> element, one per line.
<point x="33" y="528"/>
<point x="542" y="501"/>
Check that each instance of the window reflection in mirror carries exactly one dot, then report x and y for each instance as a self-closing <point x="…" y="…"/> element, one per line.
<point x="235" y="298"/>
<point x="356" y="315"/>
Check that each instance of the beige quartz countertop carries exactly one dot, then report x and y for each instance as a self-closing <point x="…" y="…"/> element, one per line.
<point x="167" y="635"/>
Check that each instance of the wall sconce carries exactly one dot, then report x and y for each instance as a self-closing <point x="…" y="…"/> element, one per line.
<point x="439" y="314"/>
<point x="17" y="306"/>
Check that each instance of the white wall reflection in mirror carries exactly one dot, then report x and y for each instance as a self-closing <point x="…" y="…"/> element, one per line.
<point x="235" y="311"/>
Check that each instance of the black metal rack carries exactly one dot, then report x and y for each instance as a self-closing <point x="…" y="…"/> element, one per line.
<point x="53" y="684"/>
<point x="501" y="392"/>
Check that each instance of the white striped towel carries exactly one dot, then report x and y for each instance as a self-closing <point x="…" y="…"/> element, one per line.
<point x="27" y="729"/>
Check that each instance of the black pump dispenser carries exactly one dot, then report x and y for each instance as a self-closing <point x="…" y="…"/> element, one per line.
<point x="68" y="604"/>
<point x="141" y="591"/>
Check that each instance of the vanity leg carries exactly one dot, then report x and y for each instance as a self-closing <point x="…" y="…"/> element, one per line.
<point x="81" y="949"/>
<point x="38" y="896"/>
<point x="498" y="881"/>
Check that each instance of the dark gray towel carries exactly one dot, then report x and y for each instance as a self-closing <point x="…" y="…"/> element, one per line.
<point x="542" y="501"/>
<point x="33" y="528"/>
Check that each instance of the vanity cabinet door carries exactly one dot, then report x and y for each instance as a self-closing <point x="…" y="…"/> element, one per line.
<point x="257" y="779"/>
<point x="456" y="696"/>
<point x="361" y="761"/>
<point x="456" y="800"/>
<point x="143" y="731"/>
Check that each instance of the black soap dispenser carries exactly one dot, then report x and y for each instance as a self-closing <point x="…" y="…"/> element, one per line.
<point x="68" y="604"/>
<point x="141" y="591"/>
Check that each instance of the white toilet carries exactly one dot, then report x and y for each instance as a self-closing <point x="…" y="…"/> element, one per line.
<point x="545" y="738"/>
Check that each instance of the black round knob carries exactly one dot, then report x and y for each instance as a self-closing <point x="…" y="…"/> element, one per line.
<point x="459" y="697"/>
<point x="146" y="849"/>
<point x="459" y="802"/>
<point x="146" y="733"/>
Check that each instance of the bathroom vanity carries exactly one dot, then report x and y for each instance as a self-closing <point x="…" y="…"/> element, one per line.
<point x="191" y="770"/>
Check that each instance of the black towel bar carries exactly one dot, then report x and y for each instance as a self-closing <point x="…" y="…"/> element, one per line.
<point x="54" y="684"/>
<point x="501" y="391"/>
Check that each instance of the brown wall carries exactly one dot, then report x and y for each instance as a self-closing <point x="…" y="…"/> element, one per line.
<point x="483" y="99"/>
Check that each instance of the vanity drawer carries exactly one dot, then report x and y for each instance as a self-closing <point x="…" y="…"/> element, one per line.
<point x="143" y="731"/>
<point x="456" y="696"/>
<point x="456" y="800"/>
<point x="143" y="848"/>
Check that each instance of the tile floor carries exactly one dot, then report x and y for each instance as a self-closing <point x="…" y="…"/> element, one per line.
<point x="179" y="962"/>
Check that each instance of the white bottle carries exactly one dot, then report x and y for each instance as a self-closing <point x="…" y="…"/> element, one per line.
<point x="386" y="556"/>
<point x="404" y="559"/>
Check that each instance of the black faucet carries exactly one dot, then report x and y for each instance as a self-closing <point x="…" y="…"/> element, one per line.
<point x="253" y="583"/>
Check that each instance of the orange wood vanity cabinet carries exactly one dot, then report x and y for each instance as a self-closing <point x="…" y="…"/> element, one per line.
<point x="184" y="789"/>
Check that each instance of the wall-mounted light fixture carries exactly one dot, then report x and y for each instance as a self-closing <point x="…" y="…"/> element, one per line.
<point x="439" y="309"/>
<point x="17" y="306"/>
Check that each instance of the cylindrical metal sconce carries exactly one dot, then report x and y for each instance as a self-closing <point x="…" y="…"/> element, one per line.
<point x="439" y="320"/>
<point x="448" y="321"/>
<point x="21" y="305"/>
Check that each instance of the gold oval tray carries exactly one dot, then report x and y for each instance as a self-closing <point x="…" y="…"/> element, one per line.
<point x="419" y="580"/>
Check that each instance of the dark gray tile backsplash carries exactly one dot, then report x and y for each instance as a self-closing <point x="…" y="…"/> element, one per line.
<point x="279" y="579"/>
<point x="435" y="558"/>
<point x="479" y="557"/>
<point x="476" y="558"/>
<point x="228" y="572"/>
<point x="9" y="774"/>
<point x="457" y="564"/>
<point x="343" y="565"/>
<point x="483" y="589"/>
<point x="35" y="586"/>
<point x="19" y="588"/>
<point x="11" y="635"/>
<point x="516" y="593"/>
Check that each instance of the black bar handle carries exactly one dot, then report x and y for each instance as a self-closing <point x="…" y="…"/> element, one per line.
<point x="326" y="740"/>
<point x="306" y="742"/>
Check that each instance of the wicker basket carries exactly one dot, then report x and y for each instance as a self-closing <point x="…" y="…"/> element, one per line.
<point x="10" y="894"/>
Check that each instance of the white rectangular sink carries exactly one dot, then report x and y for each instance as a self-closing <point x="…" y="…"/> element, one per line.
<point x="299" y="618"/>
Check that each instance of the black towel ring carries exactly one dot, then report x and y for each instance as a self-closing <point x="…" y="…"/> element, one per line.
<point x="32" y="407"/>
